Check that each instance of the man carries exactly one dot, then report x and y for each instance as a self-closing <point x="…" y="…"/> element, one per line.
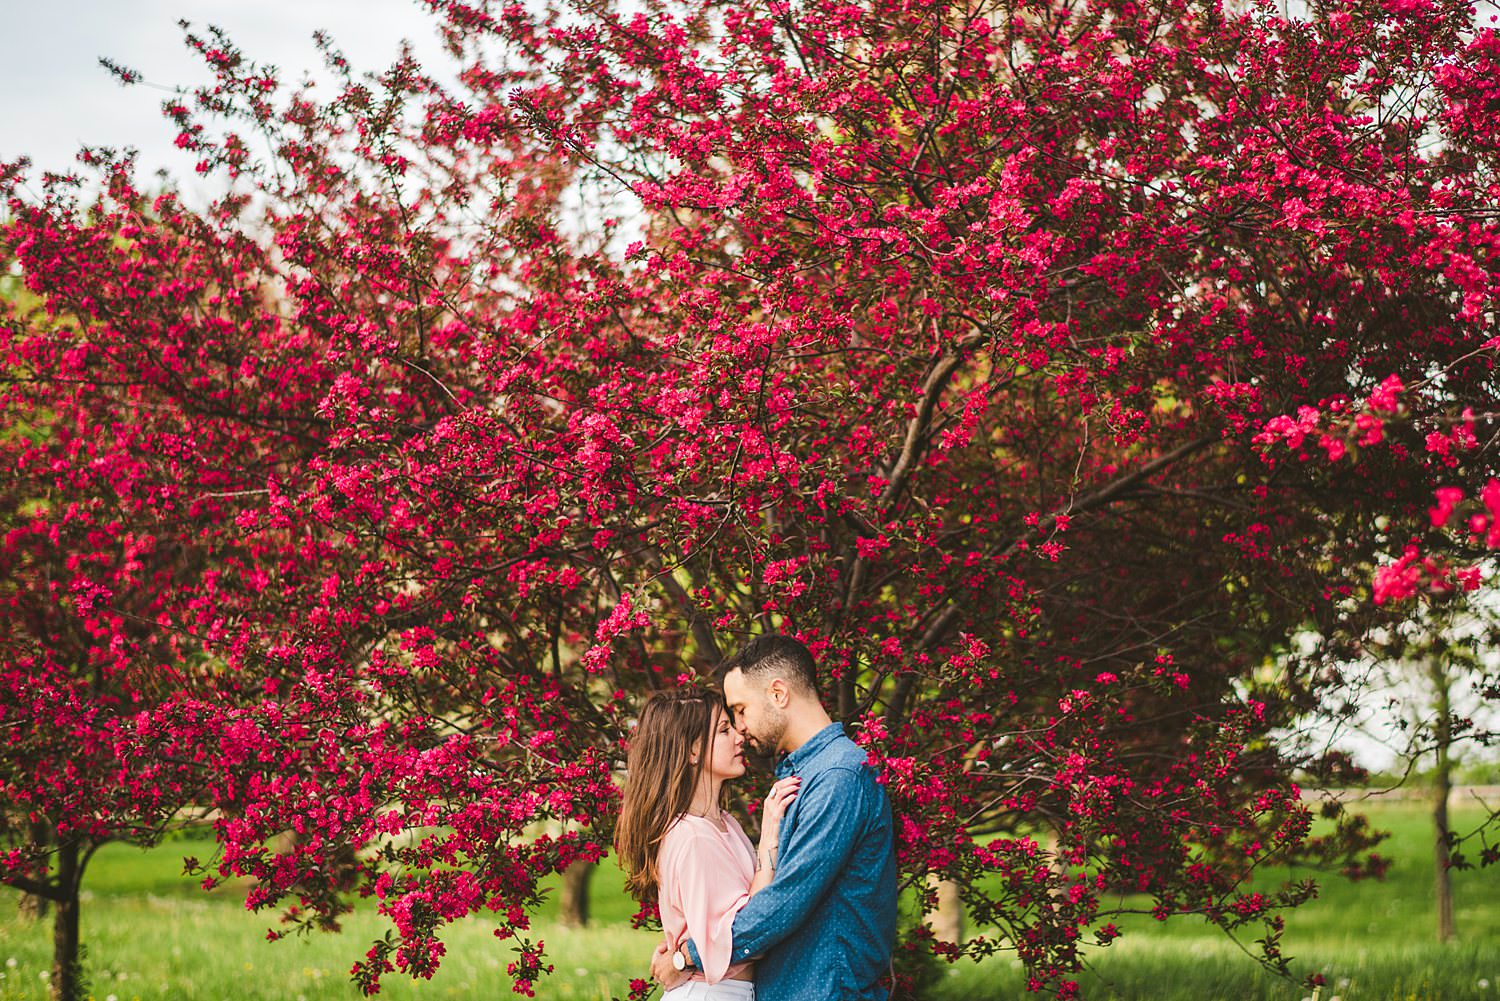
<point x="824" y="927"/>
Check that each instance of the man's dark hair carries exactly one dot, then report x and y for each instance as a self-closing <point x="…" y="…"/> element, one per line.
<point x="773" y="654"/>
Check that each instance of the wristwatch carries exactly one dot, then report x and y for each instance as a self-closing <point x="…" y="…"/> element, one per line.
<point x="679" y="961"/>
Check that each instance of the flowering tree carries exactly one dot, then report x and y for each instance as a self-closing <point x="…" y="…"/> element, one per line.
<point x="134" y="423"/>
<point x="94" y="580"/>
<point x="1041" y="366"/>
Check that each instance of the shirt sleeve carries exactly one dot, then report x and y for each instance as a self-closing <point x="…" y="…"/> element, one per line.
<point x="710" y="893"/>
<point x="831" y="810"/>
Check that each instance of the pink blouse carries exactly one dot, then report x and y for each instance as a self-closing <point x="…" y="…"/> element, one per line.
<point x="705" y="872"/>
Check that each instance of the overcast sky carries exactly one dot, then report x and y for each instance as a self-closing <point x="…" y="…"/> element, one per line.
<point x="57" y="96"/>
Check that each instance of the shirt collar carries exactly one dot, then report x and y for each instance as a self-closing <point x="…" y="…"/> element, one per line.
<point x="797" y="760"/>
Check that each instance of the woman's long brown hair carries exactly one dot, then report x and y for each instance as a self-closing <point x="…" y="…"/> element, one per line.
<point x="662" y="778"/>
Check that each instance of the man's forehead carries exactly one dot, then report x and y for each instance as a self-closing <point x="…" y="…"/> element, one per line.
<point x="735" y="687"/>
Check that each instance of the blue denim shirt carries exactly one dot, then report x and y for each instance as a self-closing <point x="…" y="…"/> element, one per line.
<point x="825" y="926"/>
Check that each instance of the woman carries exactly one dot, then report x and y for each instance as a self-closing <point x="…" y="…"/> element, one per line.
<point x="679" y="846"/>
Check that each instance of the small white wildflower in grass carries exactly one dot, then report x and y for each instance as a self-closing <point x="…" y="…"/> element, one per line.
<point x="1484" y="984"/>
<point x="44" y="976"/>
<point x="10" y="964"/>
<point x="1343" y="981"/>
<point x="580" y="971"/>
<point x="111" y="997"/>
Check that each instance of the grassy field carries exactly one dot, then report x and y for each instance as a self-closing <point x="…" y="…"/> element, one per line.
<point x="152" y="934"/>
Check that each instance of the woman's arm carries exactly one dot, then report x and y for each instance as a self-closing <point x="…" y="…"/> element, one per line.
<point x="772" y="811"/>
<point x="696" y="875"/>
<point x="777" y="800"/>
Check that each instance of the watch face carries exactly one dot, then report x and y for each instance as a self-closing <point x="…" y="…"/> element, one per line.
<point x="679" y="961"/>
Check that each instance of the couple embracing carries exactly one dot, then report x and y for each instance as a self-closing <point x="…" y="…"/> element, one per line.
<point x="809" y="915"/>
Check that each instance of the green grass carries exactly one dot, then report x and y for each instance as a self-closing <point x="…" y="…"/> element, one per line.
<point x="153" y="934"/>
<point x="1372" y="941"/>
<point x="1202" y="969"/>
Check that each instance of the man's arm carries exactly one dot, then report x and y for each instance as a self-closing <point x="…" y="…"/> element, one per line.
<point x="830" y="815"/>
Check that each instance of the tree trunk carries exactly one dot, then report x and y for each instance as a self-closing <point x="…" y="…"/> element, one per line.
<point x="948" y="920"/>
<point x="34" y="906"/>
<point x="66" y="978"/>
<point x="1442" y="782"/>
<point x="573" y="901"/>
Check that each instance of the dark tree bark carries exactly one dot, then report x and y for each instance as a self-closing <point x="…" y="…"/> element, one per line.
<point x="66" y="973"/>
<point x="34" y="906"/>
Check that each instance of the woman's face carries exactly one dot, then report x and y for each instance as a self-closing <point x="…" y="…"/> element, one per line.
<point x="726" y="749"/>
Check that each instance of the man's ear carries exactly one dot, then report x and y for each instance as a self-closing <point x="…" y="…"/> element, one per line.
<point x="780" y="693"/>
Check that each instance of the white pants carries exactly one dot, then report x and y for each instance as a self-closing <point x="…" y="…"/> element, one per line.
<point x="724" y="990"/>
